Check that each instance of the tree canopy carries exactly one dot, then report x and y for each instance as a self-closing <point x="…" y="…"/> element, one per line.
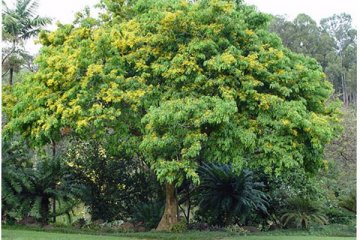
<point x="180" y="84"/>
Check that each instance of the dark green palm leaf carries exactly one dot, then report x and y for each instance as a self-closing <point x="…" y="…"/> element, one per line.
<point x="229" y="195"/>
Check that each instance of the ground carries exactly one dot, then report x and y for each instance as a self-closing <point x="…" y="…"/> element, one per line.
<point x="20" y="234"/>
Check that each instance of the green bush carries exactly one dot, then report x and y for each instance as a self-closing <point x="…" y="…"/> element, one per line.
<point x="79" y="223"/>
<point x="349" y="201"/>
<point x="114" y="181"/>
<point x="28" y="187"/>
<point x="340" y="216"/>
<point x="179" y="227"/>
<point x="237" y="229"/>
<point x="302" y="213"/>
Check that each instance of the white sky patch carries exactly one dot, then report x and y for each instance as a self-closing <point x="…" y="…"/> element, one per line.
<point x="316" y="9"/>
<point x="64" y="10"/>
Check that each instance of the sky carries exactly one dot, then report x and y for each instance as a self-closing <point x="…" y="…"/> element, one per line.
<point x="316" y="9"/>
<point x="64" y="10"/>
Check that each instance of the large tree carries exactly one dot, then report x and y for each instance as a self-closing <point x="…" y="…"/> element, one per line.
<point x="179" y="84"/>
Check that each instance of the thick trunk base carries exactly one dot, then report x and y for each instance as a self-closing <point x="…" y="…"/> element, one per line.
<point x="170" y="216"/>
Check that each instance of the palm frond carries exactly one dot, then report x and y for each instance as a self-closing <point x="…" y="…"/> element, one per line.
<point x="303" y="213"/>
<point x="231" y="194"/>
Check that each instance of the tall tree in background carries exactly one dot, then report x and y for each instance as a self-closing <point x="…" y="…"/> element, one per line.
<point x="341" y="30"/>
<point x="302" y="35"/>
<point x="19" y="24"/>
<point x="332" y="44"/>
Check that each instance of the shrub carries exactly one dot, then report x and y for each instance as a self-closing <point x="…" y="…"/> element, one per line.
<point x="198" y="226"/>
<point x="79" y="223"/>
<point x="116" y="224"/>
<point x="340" y="216"/>
<point x="349" y="201"/>
<point x="149" y="214"/>
<point x="179" y="227"/>
<point x="28" y="191"/>
<point x="302" y="213"/>
<point x="226" y="197"/>
<point x="114" y="180"/>
<point x="237" y="229"/>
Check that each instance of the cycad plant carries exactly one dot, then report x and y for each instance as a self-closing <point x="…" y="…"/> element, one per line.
<point x="50" y="180"/>
<point x="15" y="160"/>
<point x="227" y="197"/>
<point x="28" y="188"/>
<point x="149" y="213"/>
<point x="302" y="213"/>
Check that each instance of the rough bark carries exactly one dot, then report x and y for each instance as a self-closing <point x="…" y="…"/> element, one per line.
<point x="170" y="216"/>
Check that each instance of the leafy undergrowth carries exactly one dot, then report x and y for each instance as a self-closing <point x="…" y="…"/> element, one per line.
<point x="333" y="230"/>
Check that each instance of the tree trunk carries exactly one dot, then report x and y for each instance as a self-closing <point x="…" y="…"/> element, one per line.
<point x="44" y="210"/>
<point x="53" y="146"/>
<point x="11" y="76"/>
<point x="170" y="216"/>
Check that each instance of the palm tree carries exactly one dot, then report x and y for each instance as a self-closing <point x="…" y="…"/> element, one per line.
<point x="227" y="197"/>
<point x="19" y="24"/>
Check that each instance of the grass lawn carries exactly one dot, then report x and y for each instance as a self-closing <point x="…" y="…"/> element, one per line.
<point x="19" y="234"/>
<point x="35" y="235"/>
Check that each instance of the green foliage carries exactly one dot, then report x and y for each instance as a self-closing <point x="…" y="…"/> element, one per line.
<point x="22" y="22"/>
<point x="227" y="197"/>
<point x="247" y="99"/>
<point x="339" y="178"/>
<point x="15" y="181"/>
<point x="179" y="227"/>
<point x="114" y="183"/>
<point x="349" y="201"/>
<point x="293" y="188"/>
<point x="174" y="84"/>
<point x="148" y="213"/>
<point x="339" y="216"/>
<point x="79" y="223"/>
<point x="28" y="186"/>
<point x="303" y="212"/>
<point x="332" y="44"/>
<point x="237" y="229"/>
<point x="174" y="133"/>
<point x="112" y="225"/>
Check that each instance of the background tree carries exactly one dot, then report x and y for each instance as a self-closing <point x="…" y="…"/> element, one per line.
<point x="18" y="25"/>
<point x="332" y="44"/>
<point x="341" y="30"/>
<point x="340" y="178"/>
